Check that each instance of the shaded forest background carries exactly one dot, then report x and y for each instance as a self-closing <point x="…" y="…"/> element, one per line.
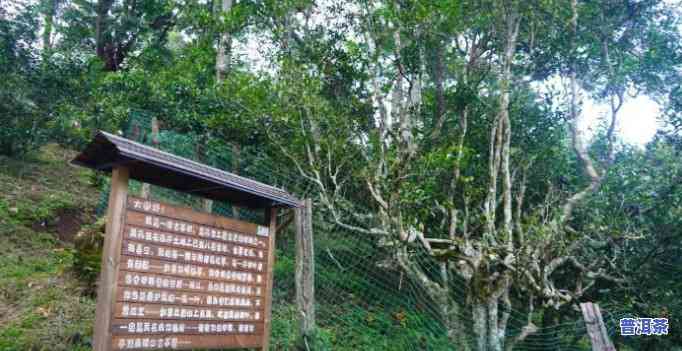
<point x="457" y="203"/>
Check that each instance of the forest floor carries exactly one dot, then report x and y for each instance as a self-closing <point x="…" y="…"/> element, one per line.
<point x="43" y="203"/>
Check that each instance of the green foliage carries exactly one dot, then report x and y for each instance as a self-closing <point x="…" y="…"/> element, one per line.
<point x="39" y="88"/>
<point x="378" y="329"/>
<point x="23" y="125"/>
<point x="87" y="255"/>
<point x="44" y="210"/>
<point x="639" y="213"/>
<point x="43" y="306"/>
<point x="314" y="89"/>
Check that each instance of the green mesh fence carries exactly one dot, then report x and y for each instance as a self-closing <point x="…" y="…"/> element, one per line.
<point x="363" y="301"/>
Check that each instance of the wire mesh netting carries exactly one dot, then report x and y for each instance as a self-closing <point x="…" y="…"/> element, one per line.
<point x="363" y="300"/>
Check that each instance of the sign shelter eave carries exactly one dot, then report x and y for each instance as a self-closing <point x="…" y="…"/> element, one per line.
<point x="150" y="165"/>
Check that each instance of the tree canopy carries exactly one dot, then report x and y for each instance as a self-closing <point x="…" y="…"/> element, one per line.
<point x="448" y="132"/>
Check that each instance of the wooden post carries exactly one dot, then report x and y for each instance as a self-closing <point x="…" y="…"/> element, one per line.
<point x="236" y="155"/>
<point x="106" y="291"/>
<point x="271" y="217"/>
<point x="200" y="150"/>
<point x="305" y="269"/>
<point x="595" y="327"/>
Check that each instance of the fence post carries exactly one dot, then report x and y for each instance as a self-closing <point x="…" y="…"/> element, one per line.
<point x="595" y="327"/>
<point x="146" y="188"/>
<point x="305" y="269"/>
<point x="236" y="157"/>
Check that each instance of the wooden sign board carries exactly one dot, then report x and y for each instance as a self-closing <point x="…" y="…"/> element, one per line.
<point x="188" y="279"/>
<point x="174" y="278"/>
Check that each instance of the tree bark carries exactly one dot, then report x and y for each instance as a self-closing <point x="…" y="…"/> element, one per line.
<point x="493" y="330"/>
<point x="437" y="74"/>
<point x="224" y="52"/>
<point x="450" y="312"/>
<point x="489" y="329"/>
<point x="102" y="10"/>
<point x="222" y="68"/>
<point x="576" y="135"/>
<point x="50" y="8"/>
<point x="512" y="26"/>
<point x="478" y="314"/>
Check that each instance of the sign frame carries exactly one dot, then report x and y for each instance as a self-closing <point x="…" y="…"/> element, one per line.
<point x="126" y="159"/>
<point x="112" y="268"/>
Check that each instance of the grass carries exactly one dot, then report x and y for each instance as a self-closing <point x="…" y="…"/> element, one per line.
<point x="41" y="307"/>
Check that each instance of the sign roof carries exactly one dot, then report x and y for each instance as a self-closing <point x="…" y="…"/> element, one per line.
<point x="153" y="166"/>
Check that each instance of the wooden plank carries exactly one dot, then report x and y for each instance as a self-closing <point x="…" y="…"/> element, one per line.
<point x="608" y="344"/>
<point x="110" y="259"/>
<point x="305" y="269"/>
<point x="196" y="257"/>
<point x="186" y="312"/>
<point x="184" y="342"/>
<point x="159" y="281"/>
<point x="596" y="330"/>
<point x="175" y="297"/>
<point x="182" y="270"/>
<point x="140" y="234"/>
<point x="272" y="218"/>
<point x="189" y="215"/>
<point x="193" y="229"/>
<point x="183" y="327"/>
<point x="590" y="325"/>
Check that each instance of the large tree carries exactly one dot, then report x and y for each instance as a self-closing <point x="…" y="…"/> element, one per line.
<point x="445" y="131"/>
<point x="473" y="176"/>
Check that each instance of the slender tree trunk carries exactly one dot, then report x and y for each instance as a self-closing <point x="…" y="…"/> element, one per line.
<point x="222" y="69"/>
<point x="103" y="7"/>
<point x="450" y="311"/>
<point x="478" y="314"/>
<point x="512" y="29"/>
<point x="489" y="330"/>
<point x="576" y="134"/>
<point x="493" y="325"/>
<point x="437" y="73"/>
<point x="453" y="324"/>
<point x="224" y="52"/>
<point x="50" y="11"/>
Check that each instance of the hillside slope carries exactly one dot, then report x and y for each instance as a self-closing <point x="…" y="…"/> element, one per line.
<point x="47" y="281"/>
<point x="43" y="203"/>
